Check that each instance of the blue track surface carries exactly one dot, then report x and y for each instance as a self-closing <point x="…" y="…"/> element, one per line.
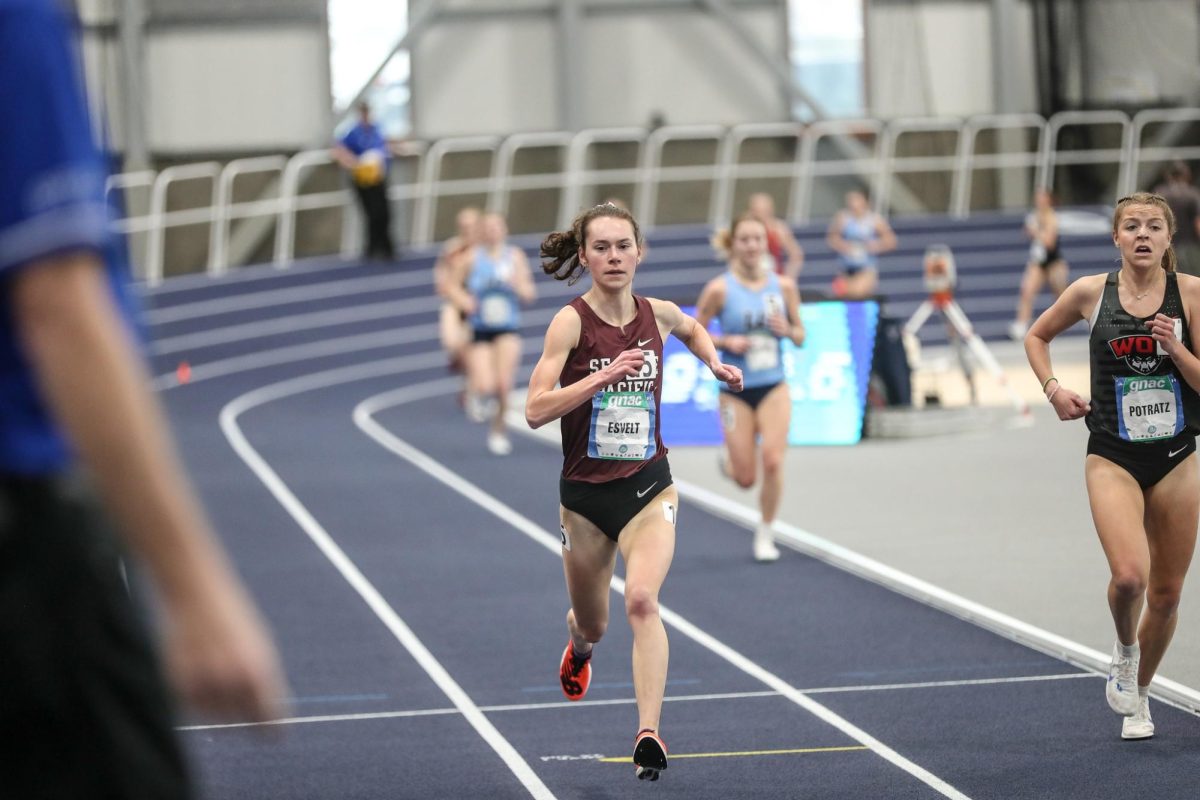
<point x="926" y="705"/>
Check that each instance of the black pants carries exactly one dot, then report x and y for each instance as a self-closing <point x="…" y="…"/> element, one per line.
<point x="84" y="710"/>
<point x="378" y="215"/>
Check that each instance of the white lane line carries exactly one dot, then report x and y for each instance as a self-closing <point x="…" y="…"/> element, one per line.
<point x="364" y="420"/>
<point x="628" y="701"/>
<point x="350" y="572"/>
<point x="846" y="560"/>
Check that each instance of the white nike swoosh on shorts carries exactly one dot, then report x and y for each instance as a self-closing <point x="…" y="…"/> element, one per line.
<point x="1174" y="453"/>
<point x="642" y="493"/>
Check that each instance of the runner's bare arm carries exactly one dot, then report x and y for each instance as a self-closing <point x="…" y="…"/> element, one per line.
<point x="1162" y="328"/>
<point x="523" y="278"/>
<point x="1073" y="305"/>
<point x="790" y="326"/>
<point x="543" y="402"/>
<point x="795" y="255"/>
<point x="693" y="335"/>
<point x="455" y="289"/>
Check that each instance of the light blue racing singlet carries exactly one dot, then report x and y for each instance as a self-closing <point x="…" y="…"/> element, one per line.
<point x="491" y="283"/>
<point x="745" y="314"/>
<point x="858" y="232"/>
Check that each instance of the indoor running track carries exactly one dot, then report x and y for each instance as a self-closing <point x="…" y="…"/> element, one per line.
<point x="413" y="584"/>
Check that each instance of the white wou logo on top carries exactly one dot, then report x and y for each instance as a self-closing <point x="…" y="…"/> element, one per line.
<point x="642" y="382"/>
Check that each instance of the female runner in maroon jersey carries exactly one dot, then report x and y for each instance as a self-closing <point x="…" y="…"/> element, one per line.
<point x="604" y="351"/>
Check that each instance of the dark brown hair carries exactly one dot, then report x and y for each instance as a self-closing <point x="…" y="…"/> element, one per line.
<point x="1159" y="202"/>
<point x="560" y="250"/>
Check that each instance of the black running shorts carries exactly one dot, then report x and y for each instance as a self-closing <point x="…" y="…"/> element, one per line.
<point x="1148" y="463"/>
<point x="611" y="505"/>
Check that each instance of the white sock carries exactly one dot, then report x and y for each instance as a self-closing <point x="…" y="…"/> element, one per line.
<point x="1130" y="650"/>
<point x="1143" y="692"/>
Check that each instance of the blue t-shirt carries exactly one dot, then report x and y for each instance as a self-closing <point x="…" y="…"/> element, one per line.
<point x="362" y="138"/>
<point x="52" y="200"/>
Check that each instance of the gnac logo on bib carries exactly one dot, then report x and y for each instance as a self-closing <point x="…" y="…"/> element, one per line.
<point x="1138" y="352"/>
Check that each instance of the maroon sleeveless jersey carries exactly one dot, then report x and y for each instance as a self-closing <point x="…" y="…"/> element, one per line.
<point x="615" y="434"/>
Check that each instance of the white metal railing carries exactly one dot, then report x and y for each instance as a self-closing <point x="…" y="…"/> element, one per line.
<point x="1140" y="153"/>
<point x="159" y="219"/>
<point x="868" y="151"/>
<point x="226" y="210"/>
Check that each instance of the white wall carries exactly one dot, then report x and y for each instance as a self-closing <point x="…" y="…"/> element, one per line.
<point x="211" y="89"/>
<point x="1142" y="53"/>
<point x="934" y="58"/>
<point x="499" y="76"/>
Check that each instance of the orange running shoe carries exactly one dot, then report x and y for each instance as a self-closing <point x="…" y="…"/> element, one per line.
<point x="649" y="755"/>
<point x="575" y="678"/>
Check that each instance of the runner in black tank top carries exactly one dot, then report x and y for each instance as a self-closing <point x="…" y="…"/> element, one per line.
<point x="604" y="351"/>
<point x="1139" y="396"/>
<point x="1142" y="479"/>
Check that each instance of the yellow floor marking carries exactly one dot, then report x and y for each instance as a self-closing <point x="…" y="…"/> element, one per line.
<point x="626" y="760"/>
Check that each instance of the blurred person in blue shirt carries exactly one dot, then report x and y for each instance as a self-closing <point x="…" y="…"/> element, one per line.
<point x="364" y="153"/>
<point x="83" y="440"/>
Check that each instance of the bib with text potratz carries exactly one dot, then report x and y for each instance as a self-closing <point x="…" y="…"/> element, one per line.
<point x="622" y="426"/>
<point x="1151" y="407"/>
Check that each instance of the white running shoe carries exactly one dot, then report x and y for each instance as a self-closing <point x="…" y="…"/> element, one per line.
<point x="1121" y="690"/>
<point x="1139" y="726"/>
<point x="474" y="408"/>
<point x="498" y="444"/>
<point x="764" y="544"/>
<point x="1017" y="330"/>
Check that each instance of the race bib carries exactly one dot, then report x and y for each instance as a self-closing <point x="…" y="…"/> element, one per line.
<point x="763" y="353"/>
<point x="1037" y="252"/>
<point x="622" y="426"/>
<point x="773" y="305"/>
<point x="857" y="255"/>
<point x="496" y="310"/>
<point x="1151" y="408"/>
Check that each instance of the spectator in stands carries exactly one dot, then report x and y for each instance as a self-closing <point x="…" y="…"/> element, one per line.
<point x="83" y="701"/>
<point x="783" y="251"/>
<point x="757" y="310"/>
<point x="489" y="286"/>
<point x="859" y="236"/>
<point x="1184" y="200"/>
<point x="1045" y="264"/>
<point x="363" y="152"/>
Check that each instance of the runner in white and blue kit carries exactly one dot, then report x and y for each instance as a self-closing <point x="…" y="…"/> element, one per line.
<point x="757" y="310"/>
<point x="489" y="287"/>
<point x="859" y="236"/>
<point x="82" y="699"/>
<point x="1142" y="478"/>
